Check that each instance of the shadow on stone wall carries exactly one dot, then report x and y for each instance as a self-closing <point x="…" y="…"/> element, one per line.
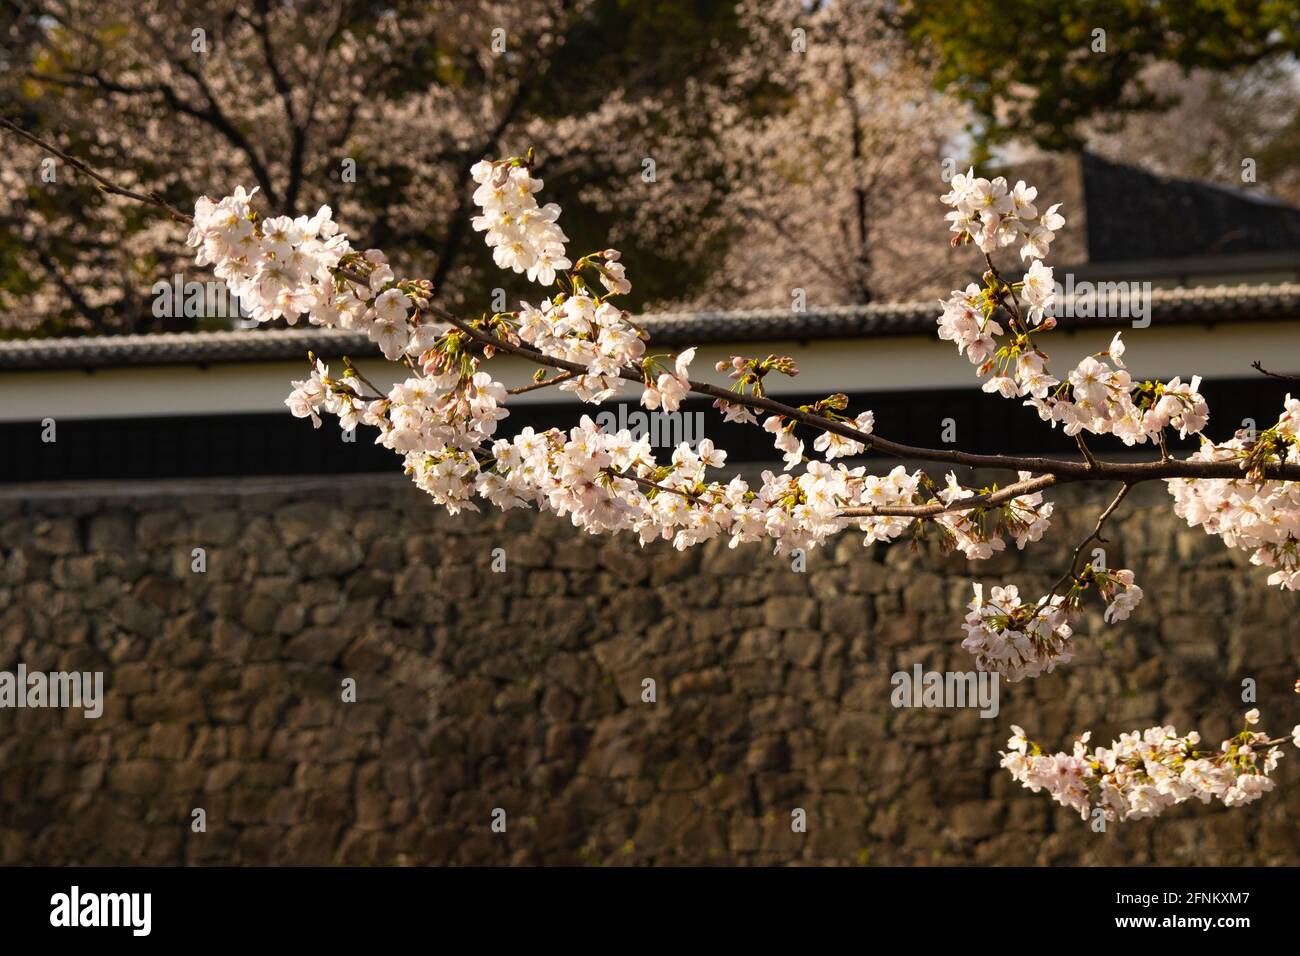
<point x="522" y="690"/>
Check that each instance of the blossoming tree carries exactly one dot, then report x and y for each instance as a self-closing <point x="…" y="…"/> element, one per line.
<point x="442" y="419"/>
<point x="827" y="183"/>
<point x="378" y="107"/>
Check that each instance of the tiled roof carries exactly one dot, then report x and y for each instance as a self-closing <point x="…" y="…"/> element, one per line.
<point x="1136" y="215"/>
<point x="1184" y="305"/>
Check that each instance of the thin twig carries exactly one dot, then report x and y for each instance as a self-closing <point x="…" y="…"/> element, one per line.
<point x="544" y="383"/>
<point x="646" y="482"/>
<point x="1087" y="452"/>
<point x="1094" y="536"/>
<point x="101" y="181"/>
<point x="1259" y="367"/>
<point x="347" y="364"/>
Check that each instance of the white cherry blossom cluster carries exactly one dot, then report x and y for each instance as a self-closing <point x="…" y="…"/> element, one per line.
<point x="1143" y="774"/>
<point x="580" y="328"/>
<point x="1015" y="639"/>
<point x="1119" y="592"/>
<point x="1019" y="639"/>
<point x="829" y="444"/>
<point x="314" y="394"/>
<point x="610" y="482"/>
<point x="832" y="445"/>
<point x="1258" y="516"/>
<point x="523" y="236"/>
<point x="278" y="267"/>
<point x="1099" y="395"/>
<point x="967" y="321"/>
<point x="589" y="331"/>
<point x="994" y="216"/>
<point x="437" y="422"/>
<point x="977" y="534"/>
<point x="668" y="390"/>
<point x="433" y="414"/>
<point x="1105" y="400"/>
<point x="607" y="482"/>
<point x="1025" y="518"/>
<point x="285" y="268"/>
<point x="784" y="439"/>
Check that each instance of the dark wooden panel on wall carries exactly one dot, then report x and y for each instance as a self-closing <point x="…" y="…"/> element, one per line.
<point x="277" y="444"/>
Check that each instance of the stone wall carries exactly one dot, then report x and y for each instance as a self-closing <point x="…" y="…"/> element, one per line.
<point x="522" y="690"/>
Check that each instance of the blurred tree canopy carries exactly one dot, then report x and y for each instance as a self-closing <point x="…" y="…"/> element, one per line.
<point x="377" y="108"/>
<point x="1040" y="68"/>
<point x="732" y="149"/>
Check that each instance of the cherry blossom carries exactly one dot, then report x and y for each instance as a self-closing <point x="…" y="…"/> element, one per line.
<point x="671" y="387"/>
<point x="1019" y="639"/>
<point x="523" y="236"/>
<point x="1143" y="774"/>
<point x="992" y="216"/>
<point x="1015" y="639"/>
<point x="1260" y="517"/>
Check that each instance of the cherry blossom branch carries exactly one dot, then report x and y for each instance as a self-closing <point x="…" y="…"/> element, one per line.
<point x="542" y="383"/>
<point x="352" y="370"/>
<point x="987" y="499"/>
<point x="442" y="418"/>
<point x="1064" y="470"/>
<point x="1144" y="773"/>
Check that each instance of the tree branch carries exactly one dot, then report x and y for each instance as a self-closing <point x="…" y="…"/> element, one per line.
<point x="102" y="182"/>
<point x="1073" y="571"/>
<point x="985" y="500"/>
<point x="1063" y="469"/>
<point x="544" y="383"/>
